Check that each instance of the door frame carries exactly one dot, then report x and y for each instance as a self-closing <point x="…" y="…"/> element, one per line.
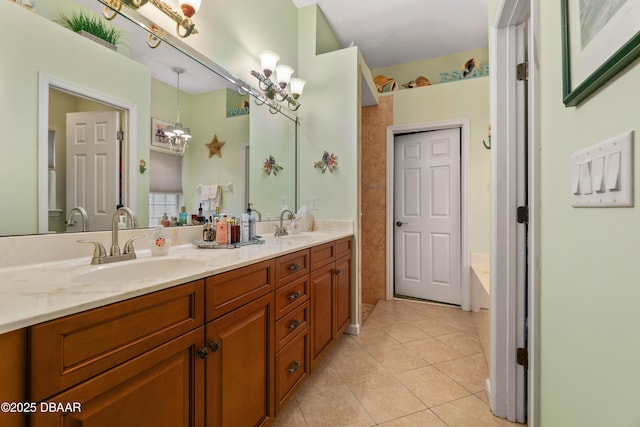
<point x="504" y="387"/>
<point x="464" y="125"/>
<point x="129" y="125"/>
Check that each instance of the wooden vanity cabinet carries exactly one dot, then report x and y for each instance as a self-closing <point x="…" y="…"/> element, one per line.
<point x="330" y="295"/>
<point x="13" y="371"/>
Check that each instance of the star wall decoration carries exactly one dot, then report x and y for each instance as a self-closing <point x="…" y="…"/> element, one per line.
<point x="215" y="147"/>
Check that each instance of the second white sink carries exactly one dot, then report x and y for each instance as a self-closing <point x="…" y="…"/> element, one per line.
<point x="140" y="269"/>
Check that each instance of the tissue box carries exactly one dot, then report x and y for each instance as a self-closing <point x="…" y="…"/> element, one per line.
<point x="305" y="221"/>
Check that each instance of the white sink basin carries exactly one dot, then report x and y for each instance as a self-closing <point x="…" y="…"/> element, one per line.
<point x="140" y="269"/>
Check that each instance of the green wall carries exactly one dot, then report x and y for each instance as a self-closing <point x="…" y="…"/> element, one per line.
<point x="590" y="275"/>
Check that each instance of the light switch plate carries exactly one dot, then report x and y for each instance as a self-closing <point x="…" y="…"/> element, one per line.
<point x="602" y="175"/>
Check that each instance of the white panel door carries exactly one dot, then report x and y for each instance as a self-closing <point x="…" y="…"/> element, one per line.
<point x="427" y="215"/>
<point x="93" y="154"/>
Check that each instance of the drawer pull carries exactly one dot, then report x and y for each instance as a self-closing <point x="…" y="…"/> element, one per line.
<point x="294" y="367"/>
<point x="294" y="295"/>
<point x="294" y="324"/>
<point x="294" y="267"/>
<point x="215" y="346"/>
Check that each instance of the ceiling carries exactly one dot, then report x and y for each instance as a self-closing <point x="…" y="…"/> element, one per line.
<point x="393" y="32"/>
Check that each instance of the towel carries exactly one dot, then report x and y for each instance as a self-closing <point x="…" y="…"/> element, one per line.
<point x="215" y="196"/>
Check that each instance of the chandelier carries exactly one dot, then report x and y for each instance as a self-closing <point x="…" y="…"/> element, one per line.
<point x="274" y="92"/>
<point x="177" y="136"/>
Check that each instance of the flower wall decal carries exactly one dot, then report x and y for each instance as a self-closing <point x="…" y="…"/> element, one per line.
<point x="270" y="166"/>
<point x="328" y="162"/>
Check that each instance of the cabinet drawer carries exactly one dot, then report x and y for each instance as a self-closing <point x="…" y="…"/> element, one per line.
<point x="343" y="247"/>
<point x="291" y="325"/>
<point x="69" y="350"/>
<point x="292" y="295"/>
<point x="292" y="368"/>
<point x="292" y="266"/>
<point x="230" y="290"/>
<point x="322" y="255"/>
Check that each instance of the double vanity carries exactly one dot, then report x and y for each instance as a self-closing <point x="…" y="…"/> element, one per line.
<point x="198" y="337"/>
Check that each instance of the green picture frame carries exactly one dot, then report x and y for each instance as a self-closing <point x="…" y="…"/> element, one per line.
<point x="575" y="92"/>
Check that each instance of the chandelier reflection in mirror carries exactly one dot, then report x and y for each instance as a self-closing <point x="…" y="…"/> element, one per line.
<point x="182" y="20"/>
<point x="274" y="85"/>
<point x="177" y="136"/>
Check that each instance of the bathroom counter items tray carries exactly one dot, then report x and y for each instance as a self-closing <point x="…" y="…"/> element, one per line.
<point x="215" y="245"/>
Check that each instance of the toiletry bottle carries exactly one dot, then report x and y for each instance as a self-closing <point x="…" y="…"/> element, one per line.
<point x="200" y="212"/>
<point x="165" y="220"/>
<point x="252" y="227"/>
<point x="159" y="242"/>
<point x="222" y="232"/>
<point x="244" y="225"/>
<point x="183" y="215"/>
<point x="205" y="231"/>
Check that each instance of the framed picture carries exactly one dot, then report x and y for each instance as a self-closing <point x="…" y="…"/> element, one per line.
<point x="599" y="39"/>
<point x="158" y="128"/>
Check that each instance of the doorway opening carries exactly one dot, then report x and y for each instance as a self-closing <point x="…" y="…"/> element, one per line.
<point x="125" y="183"/>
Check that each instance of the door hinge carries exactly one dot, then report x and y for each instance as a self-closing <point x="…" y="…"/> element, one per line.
<point x="523" y="215"/>
<point x="120" y="135"/>
<point x="522" y="357"/>
<point x="522" y="71"/>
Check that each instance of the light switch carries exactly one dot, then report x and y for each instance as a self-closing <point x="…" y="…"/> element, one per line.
<point x="585" y="178"/>
<point x="597" y="174"/>
<point x="613" y="172"/>
<point x="602" y="174"/>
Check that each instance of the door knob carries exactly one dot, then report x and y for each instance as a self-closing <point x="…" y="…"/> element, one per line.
<point x="399" y="223"/>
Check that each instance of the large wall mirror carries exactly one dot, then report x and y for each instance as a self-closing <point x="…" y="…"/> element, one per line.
<point x="61" y="87"/>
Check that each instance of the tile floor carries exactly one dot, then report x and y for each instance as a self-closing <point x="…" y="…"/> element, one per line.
<point x="413" y="364"/>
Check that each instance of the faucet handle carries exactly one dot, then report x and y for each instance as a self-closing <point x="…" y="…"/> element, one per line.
<point x="99" y="252"/>
<point x="128" y="246"/>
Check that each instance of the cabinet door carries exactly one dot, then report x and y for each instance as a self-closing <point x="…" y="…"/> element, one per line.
<point x="240" y="366"/>
<point x="163" y="387"/>
<point x="321" y="300"/>
<point x="342" y="294"/>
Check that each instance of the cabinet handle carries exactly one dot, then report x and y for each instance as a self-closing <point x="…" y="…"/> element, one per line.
<point x="337" y="271"/>
<point x="294" y="367"/>
<point x="294" y="324"/>
<point x="294" y="267"/>
<point x="214" y="346"/>
<point x="294" y="295"/>
<point x="203" y="352"/>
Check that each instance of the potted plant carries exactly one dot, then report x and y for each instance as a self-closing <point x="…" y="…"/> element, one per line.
<point x="92" y="26"/>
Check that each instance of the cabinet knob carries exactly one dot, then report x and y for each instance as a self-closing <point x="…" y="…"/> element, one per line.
<point x="294" y="295"/>
<point x="294" y="267"/>
<point x="214" y="346"/>
<point x="203" y="352"/>
<point x="336" y="271"/>
<point x="294" y="324"/>
<point x="294" y="367"/>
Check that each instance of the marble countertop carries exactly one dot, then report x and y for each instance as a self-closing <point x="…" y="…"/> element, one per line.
<point x="31" y="294"/>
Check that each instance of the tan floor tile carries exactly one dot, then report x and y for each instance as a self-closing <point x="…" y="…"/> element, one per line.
<point x="469" y="373"/>
<point x="377" y="336"/>
<point x="354" y="367"/>
<point x="385" y="398"/>
<point x="462" y="343"/>
<point x="345" y="344"/>
<point x="435" y="327"/>
<point x="424" y="418"/>
<point x="290" y="416"/>
<point x="379" y="318"/>
<point x="322" y="378"/>
<point x="333" y="407"/>
<point x="469" y="412"/>
<point x="432" y="350"/>
<point x="432" y="386"/>
<point x="405" y="332"/>
<point x="396" y="358"/>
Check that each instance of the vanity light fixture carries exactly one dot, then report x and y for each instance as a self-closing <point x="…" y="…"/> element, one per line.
<point x="177" y="136"/>
<point x="183" y="20"/>
<point x="274" y="85"/>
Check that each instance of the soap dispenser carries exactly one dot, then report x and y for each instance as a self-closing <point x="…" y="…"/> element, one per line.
<point x="159" y="242"/>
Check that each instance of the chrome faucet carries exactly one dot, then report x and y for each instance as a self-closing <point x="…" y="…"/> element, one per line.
<point x="83" y="215"/>
<point x="256" y="211"/>
<point x="281" y="230"/>
<point x="128" y="251"/>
